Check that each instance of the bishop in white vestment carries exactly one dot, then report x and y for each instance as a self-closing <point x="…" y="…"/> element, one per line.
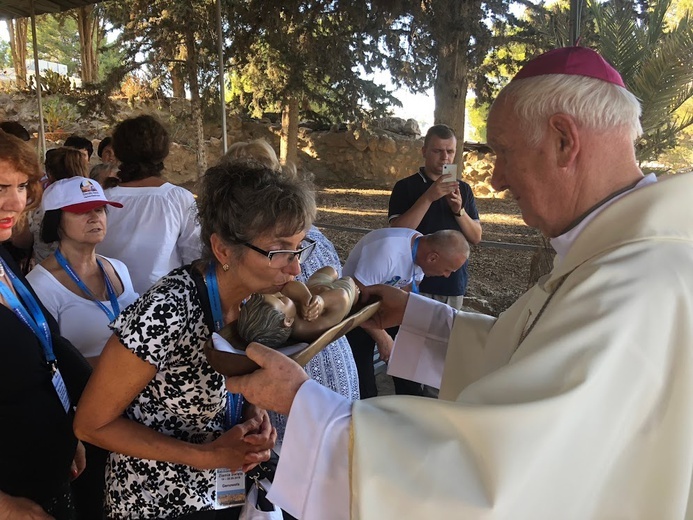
<point x="575" y="403"/>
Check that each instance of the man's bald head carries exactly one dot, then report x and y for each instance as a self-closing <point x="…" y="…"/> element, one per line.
<point x="441" y="253"/>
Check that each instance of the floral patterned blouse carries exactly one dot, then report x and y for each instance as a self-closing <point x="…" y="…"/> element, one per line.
<point x="186" y="399"/>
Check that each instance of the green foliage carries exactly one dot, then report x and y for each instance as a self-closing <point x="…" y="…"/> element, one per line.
<point x="651" y="45"/>
<point x="58" y="40"/>
<point x="55" y="83"/>
<point x="5" y="54"/>
<point x="152" y="35"/>
<point x="58" y="113"/>
<point x="478" y="114"/>
<point x="51" y="83"/>
<point x="423" y="34"/>
<point x="311" y="50"/>
<point x="110" y="57"/>
<point x="680" y="157"/>
<point x="655" y="59"/>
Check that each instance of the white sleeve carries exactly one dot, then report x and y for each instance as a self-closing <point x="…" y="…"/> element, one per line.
<point x="422" y="341"/>
<point x="312" y="479"/>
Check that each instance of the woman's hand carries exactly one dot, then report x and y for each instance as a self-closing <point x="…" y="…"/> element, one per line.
<point x="244" y="445"/>
<point x="250" y="411"/>
<point x="79" y="462"/>
<point x="265" y="434"/>
<point x="19" y="508"/>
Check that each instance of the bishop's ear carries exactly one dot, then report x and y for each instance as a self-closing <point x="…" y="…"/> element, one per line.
<point x="566" y="138"/>
<point x="288" y="322"/>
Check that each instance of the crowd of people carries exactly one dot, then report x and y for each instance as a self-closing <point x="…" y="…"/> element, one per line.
<point x="571" y="404"/>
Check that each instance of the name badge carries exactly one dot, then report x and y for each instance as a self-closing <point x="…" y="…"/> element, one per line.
<point x="230" y="488"/>
<point x="59" y="385"/>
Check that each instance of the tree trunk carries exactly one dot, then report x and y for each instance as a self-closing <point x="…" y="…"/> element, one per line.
<point x="87" y="26"/>
<point x="450" y="88"/>
<point x="177" y="81"/>
<point x="178" y="73"/>
<point x="18" y="30"/>
<point x="288" y="148"/>
<point x="195" y="101"/>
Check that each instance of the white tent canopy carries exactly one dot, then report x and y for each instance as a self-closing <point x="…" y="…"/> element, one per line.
<point x="23" y="8"/>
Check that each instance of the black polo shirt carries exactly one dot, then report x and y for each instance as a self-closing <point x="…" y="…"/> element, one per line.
<point x="405" y="193"/>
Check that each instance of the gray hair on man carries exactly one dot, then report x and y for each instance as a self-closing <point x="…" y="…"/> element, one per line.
<point x="593" y="103"/>
<point x="448" y="241"/>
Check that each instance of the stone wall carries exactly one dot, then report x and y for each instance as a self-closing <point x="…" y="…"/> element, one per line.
<point x="355" y="155"/>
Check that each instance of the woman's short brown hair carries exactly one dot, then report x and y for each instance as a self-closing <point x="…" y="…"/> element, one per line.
<point x="242" y="200"/>
<point x="23" y="158"/>
<point x="65" y="162"/>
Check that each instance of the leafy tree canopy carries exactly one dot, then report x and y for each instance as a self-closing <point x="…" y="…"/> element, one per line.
<point x="650" y="42"/>
<point x="58" y="41"/>
<point x="314" y="50"/>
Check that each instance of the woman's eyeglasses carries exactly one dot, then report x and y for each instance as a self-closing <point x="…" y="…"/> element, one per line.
<point x="282" y="257"/>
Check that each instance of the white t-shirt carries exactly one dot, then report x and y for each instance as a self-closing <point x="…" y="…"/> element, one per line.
<point x="80" y="319"/>
<point x="154" y="232"/>
<point x="384" y="256"/>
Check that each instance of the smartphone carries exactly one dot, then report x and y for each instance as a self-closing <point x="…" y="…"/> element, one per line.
<point x="449" y="173"/>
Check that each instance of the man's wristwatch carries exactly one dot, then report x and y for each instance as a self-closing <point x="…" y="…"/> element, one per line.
<point x="459" y="213"/>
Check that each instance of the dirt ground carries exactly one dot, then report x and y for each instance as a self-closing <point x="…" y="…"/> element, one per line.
<point x="497" y="276"/>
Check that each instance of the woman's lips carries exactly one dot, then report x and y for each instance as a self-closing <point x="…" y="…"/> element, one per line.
<point x="6" y="223"/>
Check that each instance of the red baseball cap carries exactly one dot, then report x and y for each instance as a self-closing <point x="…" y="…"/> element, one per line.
<point x="75" y="195"/>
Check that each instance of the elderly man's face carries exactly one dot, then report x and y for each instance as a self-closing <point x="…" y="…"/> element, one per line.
<point x="529" y="172"/>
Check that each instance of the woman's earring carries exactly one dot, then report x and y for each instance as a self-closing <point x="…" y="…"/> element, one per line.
<point x="225" y="267"/>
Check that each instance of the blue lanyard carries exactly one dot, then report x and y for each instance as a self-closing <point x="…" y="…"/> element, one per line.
<point x="234" y="410"/>
<point x="112" y="296"/>
<point x="31" y="315"/>
<point x="214" y="298"/>
<point x="414" y="249"/>
<point x="234" y="402"/>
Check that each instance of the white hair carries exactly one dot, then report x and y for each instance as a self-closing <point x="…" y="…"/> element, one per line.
<point x="594" y="103"/>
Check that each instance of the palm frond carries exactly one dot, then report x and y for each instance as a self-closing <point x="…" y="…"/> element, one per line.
<point x="655" y="60"/>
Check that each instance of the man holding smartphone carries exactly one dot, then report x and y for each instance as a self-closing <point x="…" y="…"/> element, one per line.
<point x="428" y="201"/>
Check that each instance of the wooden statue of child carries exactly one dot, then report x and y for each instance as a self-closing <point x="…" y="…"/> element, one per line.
<point x="300" y="311"/>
